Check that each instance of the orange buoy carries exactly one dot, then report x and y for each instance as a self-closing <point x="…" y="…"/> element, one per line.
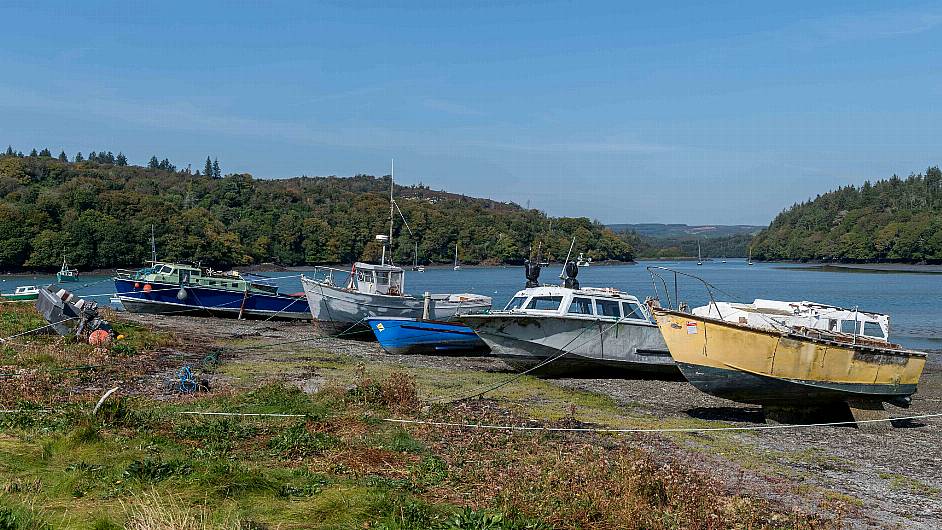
<point x="99" y="337"/>
<point x="147" y="288"/>
<point x="137" y="285"/>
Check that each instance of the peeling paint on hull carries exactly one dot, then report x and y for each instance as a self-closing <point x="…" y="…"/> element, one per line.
<point x="763" y="367"/>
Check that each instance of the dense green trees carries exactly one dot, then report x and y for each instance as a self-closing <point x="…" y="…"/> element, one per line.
<point x="98" y="212"/>
<point x="889" y="220"/>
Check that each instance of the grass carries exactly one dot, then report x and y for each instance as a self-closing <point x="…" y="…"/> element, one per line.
<point x="902" y="482"/>
<point x="140" y="464"/>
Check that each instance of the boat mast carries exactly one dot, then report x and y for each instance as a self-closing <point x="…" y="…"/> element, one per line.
<point x="392" y="206"/>
<point x="153" y="246"/>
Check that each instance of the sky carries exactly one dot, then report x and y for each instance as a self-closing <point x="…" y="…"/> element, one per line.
<point x="624" y="112"/>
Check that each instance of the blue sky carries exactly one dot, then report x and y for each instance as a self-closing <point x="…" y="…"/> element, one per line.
<point x="697" y="112"/>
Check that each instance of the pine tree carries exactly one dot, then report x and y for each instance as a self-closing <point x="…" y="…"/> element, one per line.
<point x="208" y="168"/>
<point x="153" y="164"/>
<point x="63" y="157"/>
<point x="79" y="157"/>
<point x="121" y="160"/>
<point x="93" y="157"/>
<point x="45" y="152"/>
<point x="10" y="150"/>
<point x="216" y="172"/>
<point x="33" y="152"/>
<point x="197" y="173"/>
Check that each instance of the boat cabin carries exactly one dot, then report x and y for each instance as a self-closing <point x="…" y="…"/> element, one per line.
<point x="773" y="314"/>
<point x="369" y="278"/>
<point x="584" y="303"/>
<point x="25" y="290"/>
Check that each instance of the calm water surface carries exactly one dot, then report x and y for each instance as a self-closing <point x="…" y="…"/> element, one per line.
<point x="913" y="301"/>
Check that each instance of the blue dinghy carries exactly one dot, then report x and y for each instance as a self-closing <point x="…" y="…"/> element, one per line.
<point x="410" y="335"/>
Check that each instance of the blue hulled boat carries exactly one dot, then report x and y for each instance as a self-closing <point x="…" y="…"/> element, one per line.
<point x="175" y="288"/>
<point x="412" y="335"/>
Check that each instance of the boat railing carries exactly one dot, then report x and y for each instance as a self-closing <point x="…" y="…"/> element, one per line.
<point x="329" y="275"/>
<point x="657" y="275"/>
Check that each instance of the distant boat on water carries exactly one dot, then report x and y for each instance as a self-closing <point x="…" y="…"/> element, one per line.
<point x="67" y="274"/>
<point x="699" y="257"/>
<point x="22" y="293"/>
<point x="582" y="261"/>
<point x="457" y="267"/>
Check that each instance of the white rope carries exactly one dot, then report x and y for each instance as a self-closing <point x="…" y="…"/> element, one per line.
<point x="27" y="332"/>
<point x="658" y="430"/>
<point x="253" y="414"/>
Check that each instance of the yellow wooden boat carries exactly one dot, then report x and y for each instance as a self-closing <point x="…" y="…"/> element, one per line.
<point x="787" y="366"/>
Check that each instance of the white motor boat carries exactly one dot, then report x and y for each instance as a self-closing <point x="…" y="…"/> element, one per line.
<point x="567" y="329"/>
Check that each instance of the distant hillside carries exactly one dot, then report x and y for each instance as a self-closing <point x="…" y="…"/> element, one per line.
<point x="897" y="220"/>
<point x="661" y="230"/>
<point x="657" y="240"/>
<point x="97" y="212"/>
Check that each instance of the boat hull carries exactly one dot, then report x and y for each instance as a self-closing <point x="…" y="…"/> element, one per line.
<point x="411" y="336"/>
<point x="341" y="311"/>
<point x="762" y="367"/>
<point x="19" y="297"/>
<point x="63" y="278"/>
<point x="571" y="346"/>
<point x="203" y="301"/>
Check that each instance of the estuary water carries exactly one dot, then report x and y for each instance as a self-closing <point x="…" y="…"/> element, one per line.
<point x="913" y="301"/>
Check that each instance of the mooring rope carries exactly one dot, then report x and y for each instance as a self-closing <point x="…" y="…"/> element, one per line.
<point x="486" y="426"/>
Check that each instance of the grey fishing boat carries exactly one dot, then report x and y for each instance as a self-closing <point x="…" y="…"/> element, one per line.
<point x="558" y="330"/>
<point x="373" y="290"/>
<point x="341" y="306"/>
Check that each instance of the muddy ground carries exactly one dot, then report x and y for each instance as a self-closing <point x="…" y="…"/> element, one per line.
<point x="888" y="478"/>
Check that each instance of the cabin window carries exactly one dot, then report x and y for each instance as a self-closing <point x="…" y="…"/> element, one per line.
<point x="515" y="303"/>
<point x="873" y="329"/>
<point x="832" y="325"/>
<point x="365" y="276"/>
<point x="580" y="306"/>
<point x="632" y="310"/>
<point x="382" y="277"/>
<point x="545" y="303"/>
<point x="607" y="308"/>
<point x="850" y="326"/>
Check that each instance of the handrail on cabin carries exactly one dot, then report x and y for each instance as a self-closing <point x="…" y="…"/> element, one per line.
<point x="655" y="276"/>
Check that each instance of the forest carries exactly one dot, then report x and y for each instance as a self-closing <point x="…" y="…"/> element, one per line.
<point x="97" y="211"/>
<point x="892" y="220"/>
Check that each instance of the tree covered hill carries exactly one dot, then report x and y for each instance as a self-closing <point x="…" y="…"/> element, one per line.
<point x="98" y="212"/>
<point x="890" y="220"/>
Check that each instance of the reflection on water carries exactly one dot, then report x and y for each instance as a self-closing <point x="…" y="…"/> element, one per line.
<point x="913" y="301"/>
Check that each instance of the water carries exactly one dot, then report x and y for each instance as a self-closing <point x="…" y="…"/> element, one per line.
<point x="913" y="301"/>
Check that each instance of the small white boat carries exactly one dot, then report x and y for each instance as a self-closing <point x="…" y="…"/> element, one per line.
<point x="567" y="329"/>
<point x="22" y="293"/>
<point x="699" y="257"/>
<point x="457" y="267"/>
<point x="582" y="261"/>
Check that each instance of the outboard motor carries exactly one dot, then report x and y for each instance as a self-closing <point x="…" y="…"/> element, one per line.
<point x="572" y="269"/>
<point x="532" y="272"/>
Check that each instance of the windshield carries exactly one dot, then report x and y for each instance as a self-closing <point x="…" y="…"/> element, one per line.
<point x="516" y="303"/>
<point x="545" y="303"/>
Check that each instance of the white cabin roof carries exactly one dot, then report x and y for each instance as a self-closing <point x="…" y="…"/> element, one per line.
<point x="375" y="267"/>
<point x="559" y="290"/>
